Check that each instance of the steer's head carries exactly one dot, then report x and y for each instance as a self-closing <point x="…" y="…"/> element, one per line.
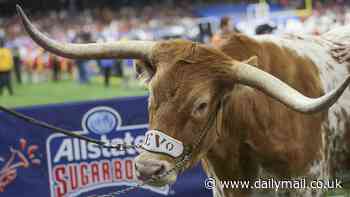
<point x="187" y="82"/>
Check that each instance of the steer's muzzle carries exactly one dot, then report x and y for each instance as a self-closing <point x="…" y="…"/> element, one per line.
<point x="148" y="165"/>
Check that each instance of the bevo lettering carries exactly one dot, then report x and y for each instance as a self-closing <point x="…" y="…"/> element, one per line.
<point x="170" y="146"/>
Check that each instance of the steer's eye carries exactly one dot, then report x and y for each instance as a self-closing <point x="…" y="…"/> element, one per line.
<point x="200" y="109"/>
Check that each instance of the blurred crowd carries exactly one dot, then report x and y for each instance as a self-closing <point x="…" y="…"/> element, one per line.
<point x="325" y="17"/>
<point x="32" y="64"/>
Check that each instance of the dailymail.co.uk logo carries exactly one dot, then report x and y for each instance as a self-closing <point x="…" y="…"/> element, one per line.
<point x="76" y="166"/>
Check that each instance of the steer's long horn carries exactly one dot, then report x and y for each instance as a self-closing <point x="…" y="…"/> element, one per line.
<point x="252" y="76"/>
<point x="121" y="49"/>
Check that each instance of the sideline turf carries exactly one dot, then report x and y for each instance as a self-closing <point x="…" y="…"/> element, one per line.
<point x="66" y="91"/>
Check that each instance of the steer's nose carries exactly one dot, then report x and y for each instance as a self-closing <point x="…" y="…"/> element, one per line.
<point x="146" y="168"/>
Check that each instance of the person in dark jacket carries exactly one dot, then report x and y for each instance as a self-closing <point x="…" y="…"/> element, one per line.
<point x="17" y="65"/>
<point x="82" y="65"/>
<point x="55" y="66"/>
<point x="106" y="68"/>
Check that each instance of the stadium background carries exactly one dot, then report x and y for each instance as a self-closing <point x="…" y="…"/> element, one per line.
<point x="108" y="20"/>
<point x="39" y="78"/>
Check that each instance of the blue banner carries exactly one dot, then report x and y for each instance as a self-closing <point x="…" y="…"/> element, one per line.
<point x="37" y="162"/>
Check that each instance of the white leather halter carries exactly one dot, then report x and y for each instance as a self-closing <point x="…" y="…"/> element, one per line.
<point x="156" y="141"/>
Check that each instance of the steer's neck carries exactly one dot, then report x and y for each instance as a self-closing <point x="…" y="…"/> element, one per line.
<point x="230" y="157"/>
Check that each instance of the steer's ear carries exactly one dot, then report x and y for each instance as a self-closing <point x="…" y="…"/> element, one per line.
<point x="252" y="61"/>
<point x="144" y="71"/>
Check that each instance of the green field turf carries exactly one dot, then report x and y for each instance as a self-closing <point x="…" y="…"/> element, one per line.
<point x="66" y="91"/>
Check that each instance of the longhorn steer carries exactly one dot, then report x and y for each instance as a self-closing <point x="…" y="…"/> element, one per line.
<point x="265" y="127"/>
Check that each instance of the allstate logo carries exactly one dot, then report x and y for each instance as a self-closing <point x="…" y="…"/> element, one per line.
<point x="101" y="120"/>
